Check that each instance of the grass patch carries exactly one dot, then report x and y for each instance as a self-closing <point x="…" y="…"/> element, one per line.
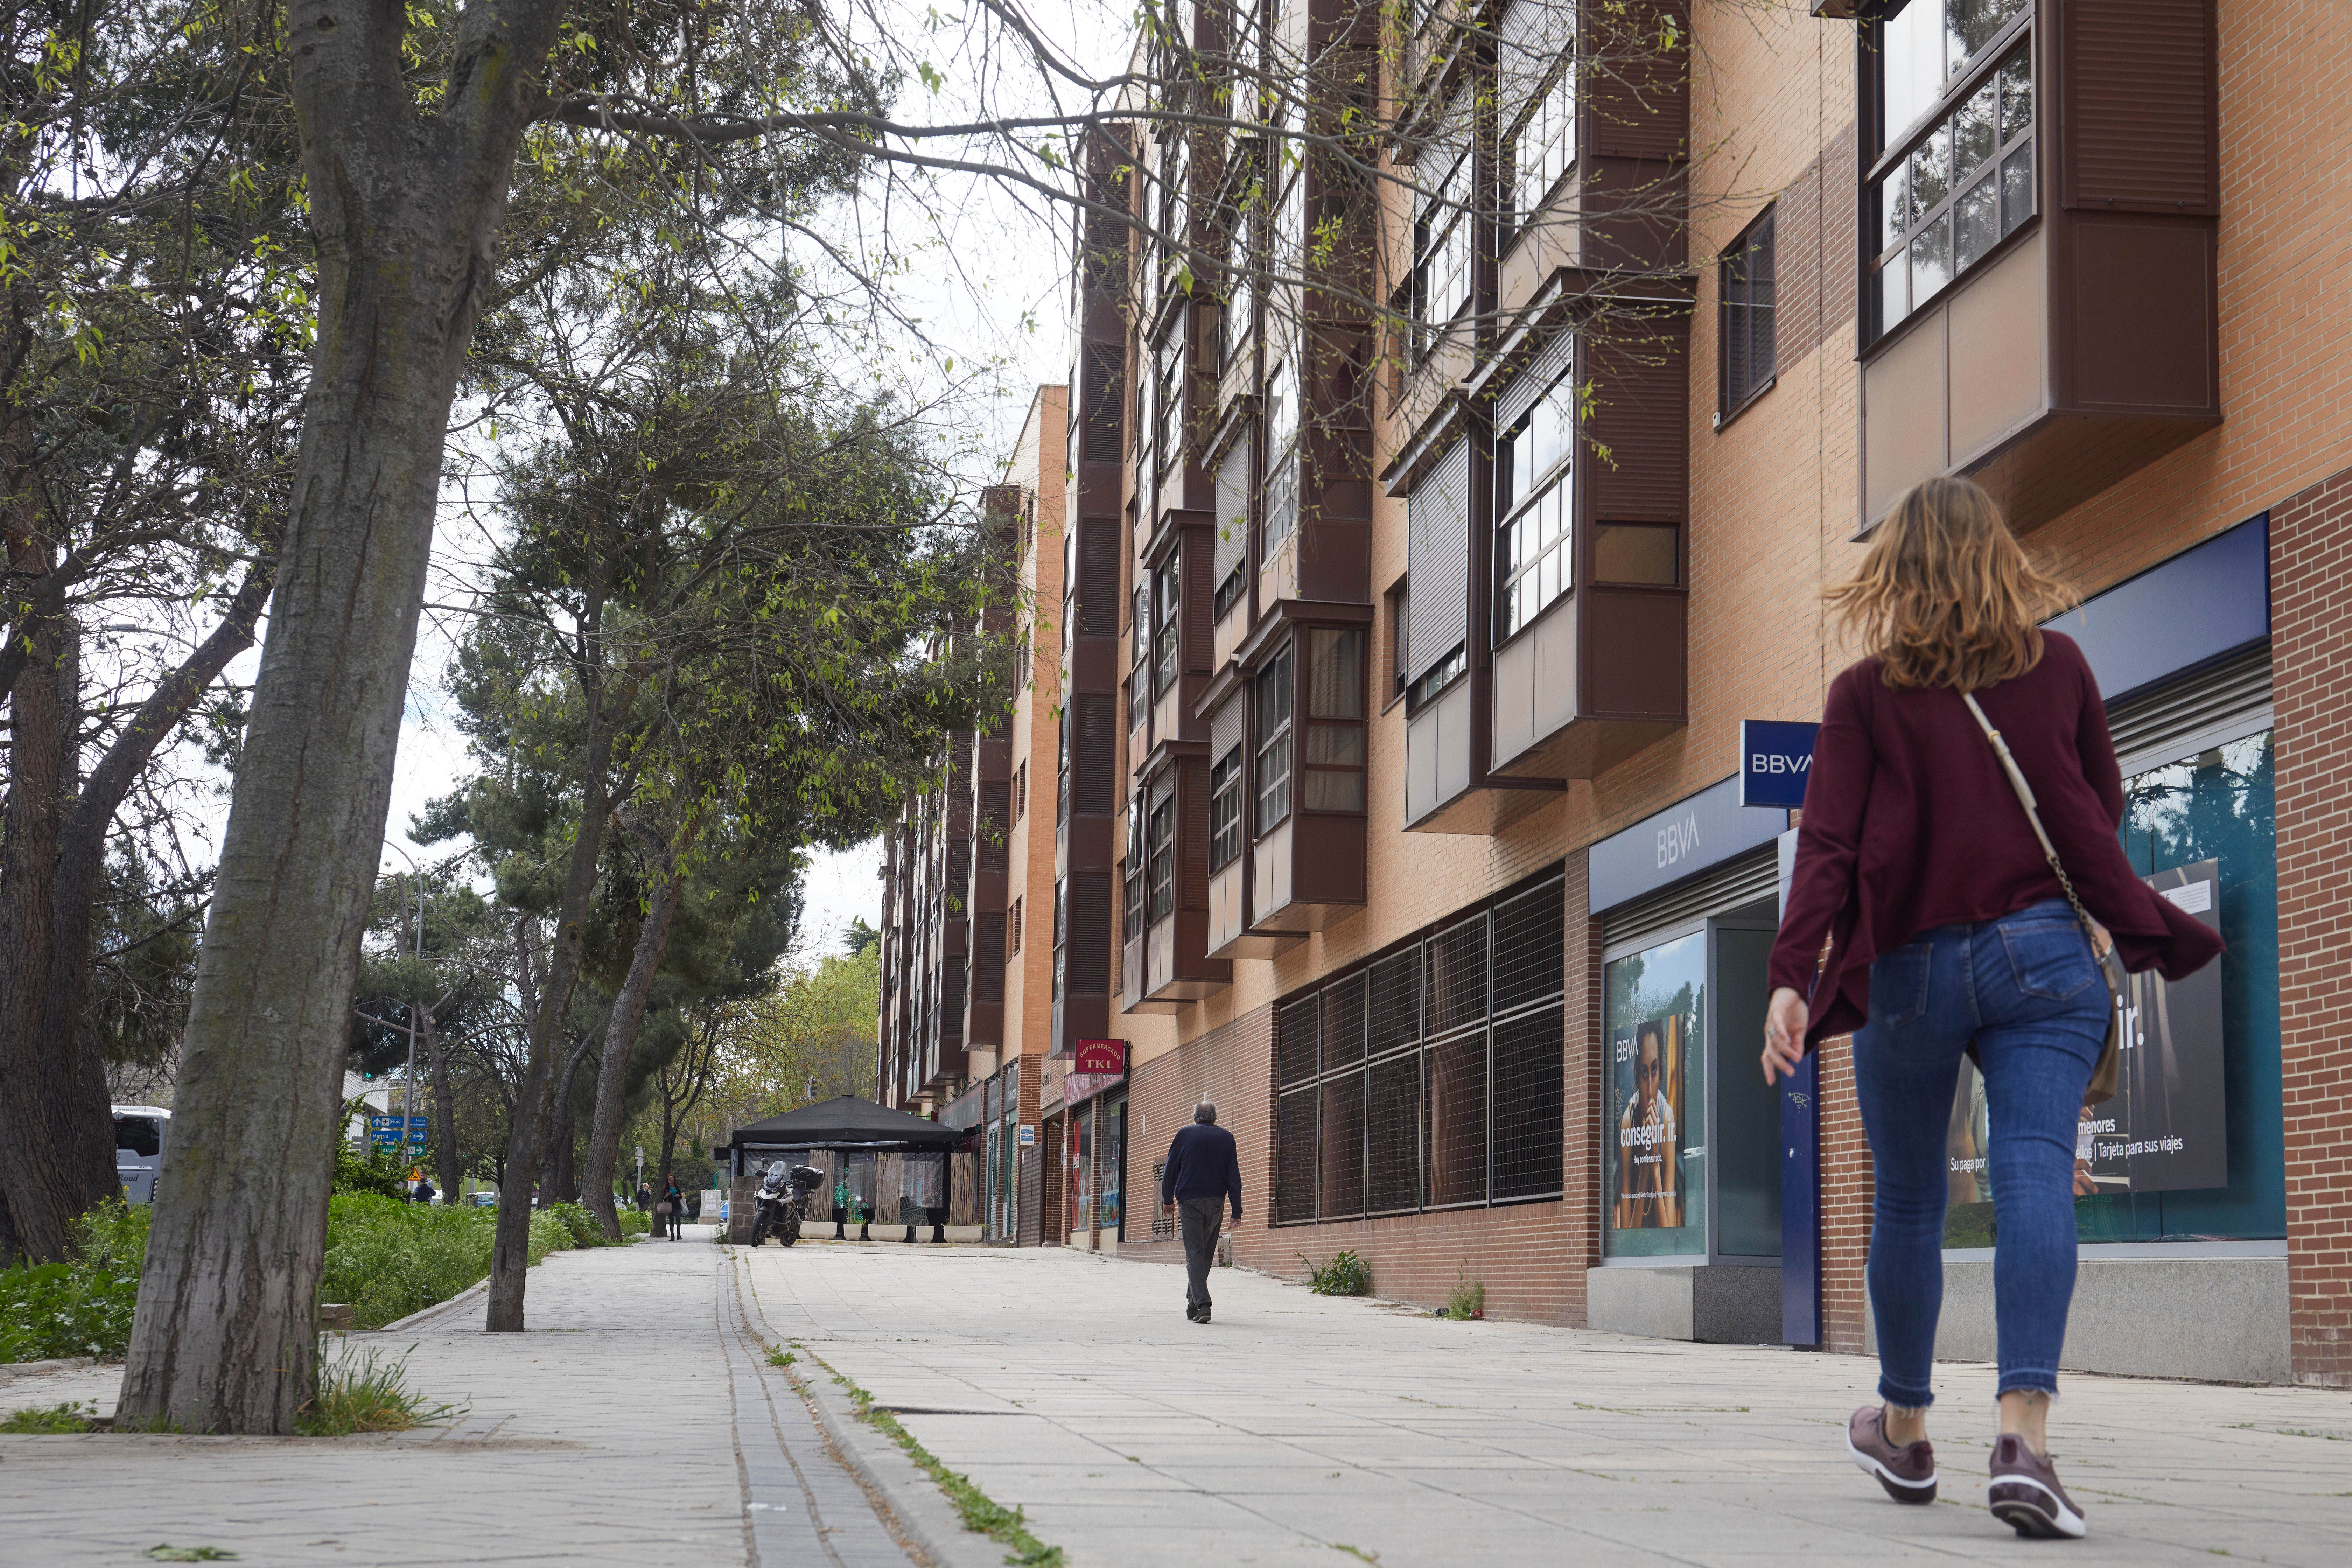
<point x="164" y="1551"/>
<point x="1345" y="1275"/>
<point x="979" y="1512"/>
<point x="778" y="1356"/>
<point x="51" y="1419"/>
<point x="1468" y="1299"/>
<point x="368" y="1392"/>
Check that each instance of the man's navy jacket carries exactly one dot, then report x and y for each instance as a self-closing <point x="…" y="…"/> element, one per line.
<point x="1203" y="1163"/>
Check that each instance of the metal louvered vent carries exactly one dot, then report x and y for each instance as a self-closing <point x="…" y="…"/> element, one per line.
<point x="2231" y="696"/>
<point x="1102" y="367"/>
<point x="1432" y="1077"/>
<point x="1756" y="875"/>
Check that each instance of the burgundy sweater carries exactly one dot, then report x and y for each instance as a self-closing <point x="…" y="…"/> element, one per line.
<point x="1910" y="824"/>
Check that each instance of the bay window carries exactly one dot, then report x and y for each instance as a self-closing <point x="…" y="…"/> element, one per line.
<point x="1161" y="848"/>
<point x="1542" y="145"/>
<point x="1331" y="753"/>
<point x="1282" y="448"/>
<point x="1169" y="621"/>
<point x="1534" y="548"/>
<point x="1954" y="174"/>
<point x="1225" y="810"/>
<point x="1274" y="741"/>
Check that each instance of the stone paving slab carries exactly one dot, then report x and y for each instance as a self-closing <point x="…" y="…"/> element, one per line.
<point x="637" y="1424"/>
<point x="1295" y="1424"/>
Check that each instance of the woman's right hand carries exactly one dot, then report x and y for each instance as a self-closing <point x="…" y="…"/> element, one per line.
<point x="1785" y="1017"/>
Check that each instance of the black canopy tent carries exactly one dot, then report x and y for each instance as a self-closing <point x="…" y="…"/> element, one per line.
<point x="847" y="1124"/>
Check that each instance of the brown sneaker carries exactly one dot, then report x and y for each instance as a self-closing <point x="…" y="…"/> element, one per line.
<point x="2026" y="1495"/>
<point x="1908" y="1473"/>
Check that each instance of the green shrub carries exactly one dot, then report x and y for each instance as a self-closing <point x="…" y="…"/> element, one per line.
<point x="636" y="1222"/>
<point x="586" y="1229"/>
<point x="1346" y="1275"/>
<point x="389" y="1258"/>
<point x="82" y="1307"/>
<point x="549" y="1234"/>
<point x="379" y="1171"/>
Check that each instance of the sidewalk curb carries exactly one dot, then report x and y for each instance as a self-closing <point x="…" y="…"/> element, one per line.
<point x="16" y="1369"/>
<point x="416" y="1318"/>
<point x="923" y="1510"/>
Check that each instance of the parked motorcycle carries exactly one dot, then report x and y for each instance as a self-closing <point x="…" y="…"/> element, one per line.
<point x="780" y="1203"/>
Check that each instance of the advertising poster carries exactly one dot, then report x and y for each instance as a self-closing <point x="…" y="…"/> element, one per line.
<point x="1649" y="1090"/>
<point x="2166" y="1127"/>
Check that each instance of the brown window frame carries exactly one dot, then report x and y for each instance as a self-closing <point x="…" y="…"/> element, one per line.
<point x="1745" y="314"/>
<point x="1987" y="67"/>
<point x="1225" y="811"/>
<point x="1311" y="727"/>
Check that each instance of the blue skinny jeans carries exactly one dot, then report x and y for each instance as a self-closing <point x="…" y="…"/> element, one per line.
<point x="2025" y="991"/>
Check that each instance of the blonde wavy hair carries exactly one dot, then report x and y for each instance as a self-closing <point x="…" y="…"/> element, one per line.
<point x="1945" y="596"/>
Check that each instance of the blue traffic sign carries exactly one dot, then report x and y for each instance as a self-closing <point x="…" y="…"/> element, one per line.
<point x="1775" y="758"/>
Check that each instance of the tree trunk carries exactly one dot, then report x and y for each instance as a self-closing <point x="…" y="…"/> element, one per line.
<point x="405" y="212"/>
<point x="510" y="1251"/>
<point x="445" y="1107"/>
<point x="45" y="1049"/>
<point x="620" y="1041"/>
<point x="37" y="1123"/>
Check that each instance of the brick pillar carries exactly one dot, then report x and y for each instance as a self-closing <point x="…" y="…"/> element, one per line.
<point x="1846" y="1198"/>
<point x="2311" y="672"/>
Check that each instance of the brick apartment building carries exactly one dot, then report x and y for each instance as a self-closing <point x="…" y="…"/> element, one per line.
<point x="1434" y="526"/>
<point x="968" y="906"/>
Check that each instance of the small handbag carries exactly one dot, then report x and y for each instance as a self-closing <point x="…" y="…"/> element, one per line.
<point x="662" y="1207"/>
<point x="2105" y="1077"/>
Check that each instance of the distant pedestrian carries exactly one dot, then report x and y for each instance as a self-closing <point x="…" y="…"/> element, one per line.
<point x="1931" y="915"/>
<point x="424" y="1193"/>
<point x="671" y="1213"/>
<point x="1203" y="1173"/>
<point x="645" y="1197"/>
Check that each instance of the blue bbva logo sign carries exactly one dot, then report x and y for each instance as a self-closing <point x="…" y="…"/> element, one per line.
<point x="1775" y="760"/>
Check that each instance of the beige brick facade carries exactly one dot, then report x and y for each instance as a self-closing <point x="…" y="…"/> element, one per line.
<point x="1774" y="507"/>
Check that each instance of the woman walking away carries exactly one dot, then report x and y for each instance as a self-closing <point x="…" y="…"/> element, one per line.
<point x="671" y="1213"/>
<point x="1925" y="917"/>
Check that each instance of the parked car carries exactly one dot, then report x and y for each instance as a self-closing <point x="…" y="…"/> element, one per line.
<point x="139" y="1133"/>
<point x="484" y="1200"/>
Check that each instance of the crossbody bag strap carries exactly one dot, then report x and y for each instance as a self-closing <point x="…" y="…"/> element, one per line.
<point x="2091" y="928"/>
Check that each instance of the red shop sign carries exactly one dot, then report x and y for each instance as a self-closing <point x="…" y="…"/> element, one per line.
<point x="1107" y="1057"/>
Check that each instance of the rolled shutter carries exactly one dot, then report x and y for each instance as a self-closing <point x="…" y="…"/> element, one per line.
<point x="1228" y="726"/>
<point x="1535" y="379"/>
<point x="1232" y="508"/>
<point x="1438" y="562"/>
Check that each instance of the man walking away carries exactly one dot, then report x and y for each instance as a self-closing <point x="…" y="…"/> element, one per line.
<point x="1204" y="1172"/>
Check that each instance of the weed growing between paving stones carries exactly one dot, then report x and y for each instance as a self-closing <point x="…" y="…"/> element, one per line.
<point x="778" y="1356"/>
<point x="1469" y="1298"/>
<point x="164" y="1551"/>
<point x="51" y="1419"/>
<point x="1345" y="1275"/>
<point x="979" y="1512"/>
<point x="365" y="1392"/>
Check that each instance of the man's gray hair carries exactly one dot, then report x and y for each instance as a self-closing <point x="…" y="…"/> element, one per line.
<point x="1206" y="1111"/>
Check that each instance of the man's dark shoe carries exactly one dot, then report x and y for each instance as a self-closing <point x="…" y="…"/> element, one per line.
<point x="1192" y="1314"/>
<point x="2025" y="1493"/>
<point x="1203" y="1316"/>
<point x="1908" y="1473"/>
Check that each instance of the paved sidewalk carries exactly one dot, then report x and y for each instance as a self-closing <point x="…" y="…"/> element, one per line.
<point x="637" y="1424"/>
<point x="1072" y="1386"/>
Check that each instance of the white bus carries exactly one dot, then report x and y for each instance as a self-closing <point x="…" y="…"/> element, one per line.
<point x="139" y="1134"/>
